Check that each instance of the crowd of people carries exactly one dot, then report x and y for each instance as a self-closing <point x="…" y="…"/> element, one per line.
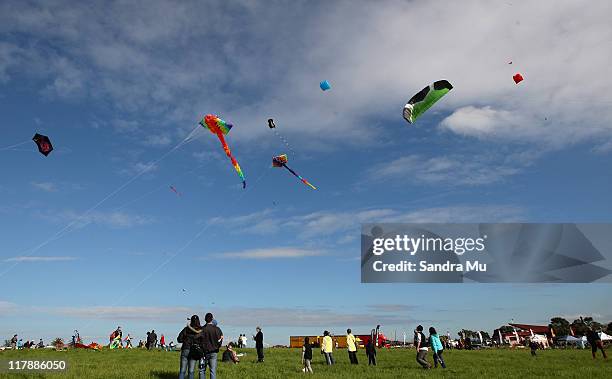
<point x="17" y="343"/>
<point x="201" y="344"/>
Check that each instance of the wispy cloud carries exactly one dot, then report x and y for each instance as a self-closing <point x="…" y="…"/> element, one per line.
<point x="45" y="186"/>
<point x="6" y="307"/>
<point x="114" y="219"/>
<point x="272" y="253"/>
<point x="157" y="140"/>
<point x="161" y="314"/>
<point x="447" y="170"/>
<point x="329" y="223"/>
<point x="139" y="168"/>
<point x="40" y="259"/>
<point x="238" y="316"/>
<point x="393" y="308"/>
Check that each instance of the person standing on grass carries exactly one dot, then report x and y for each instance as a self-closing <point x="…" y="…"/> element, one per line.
<point x="307" y="355"/>
<point x="14" y="342"/>
<point x="436" y="347"/>
<point x="259" y="337"/>
<point x="162" y="342"/>
<point x="327" y="348"/>
<point x="422" y="346"/>
<point x="370" y="349"/>
<point x="595" y="341"/>
<point x="191" y="350"/>
<point x="213" y="338"/>
<point x="534" y="347"/>
<point x="351" y="343"/>
<point x="153" y="339"/>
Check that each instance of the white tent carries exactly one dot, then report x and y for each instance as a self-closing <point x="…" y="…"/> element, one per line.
<point x="605" y="337"/>
<point x="538" y="338"/>
<point x="569" y="339"/>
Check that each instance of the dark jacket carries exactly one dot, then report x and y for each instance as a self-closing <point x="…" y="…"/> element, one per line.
<point x="211" y="338"/>
<point x="188" y="335"/>
<point x="370" y="348"/>
<point x="592" y="337"/>
<point x="308" y="351"/>
<point x="259" y="340"/>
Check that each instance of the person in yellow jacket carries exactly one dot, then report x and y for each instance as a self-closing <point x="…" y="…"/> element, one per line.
<point x="351" y="343"/>
<point x="327" y="348"/>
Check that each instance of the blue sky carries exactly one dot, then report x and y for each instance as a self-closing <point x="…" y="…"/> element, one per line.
<point x="118" y="86"/>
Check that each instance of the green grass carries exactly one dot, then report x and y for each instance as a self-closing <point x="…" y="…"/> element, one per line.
<point x="285" y="363"/>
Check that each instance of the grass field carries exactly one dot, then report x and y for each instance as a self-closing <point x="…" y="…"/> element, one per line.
<point x="285" y="363"/>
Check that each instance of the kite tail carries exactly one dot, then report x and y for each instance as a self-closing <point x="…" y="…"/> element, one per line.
<point x="299" y="177"/>
<point x="231" y="157"/>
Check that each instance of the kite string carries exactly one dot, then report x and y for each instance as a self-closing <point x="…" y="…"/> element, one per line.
<point x="66" y="228"/>
<point x="284" y="141"/>
<point x="179" y="251"/>
<point x="15" y="145"/>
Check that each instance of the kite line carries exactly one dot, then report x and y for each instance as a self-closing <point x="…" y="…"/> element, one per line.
<point x="66" y="229"/>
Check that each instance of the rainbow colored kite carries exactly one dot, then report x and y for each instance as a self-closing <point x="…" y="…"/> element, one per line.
<point x="220" y="128"/>
<point x="281" y="161"/>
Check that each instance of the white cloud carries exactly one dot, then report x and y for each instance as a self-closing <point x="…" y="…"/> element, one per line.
<point x="148" y="61"/>
<point x="139" y="168"/>
<point x="39" y="259"/>
<point x="450" y="170"/>
<point x="113" y="219"/>
<point x="485" y="122"/>
<point x="45" y="186"/>
<point x="238" y="316"/>
<point x="270" y="253"/>
<point x="162" y="314"/>
<point x="6" y="307"/>
<point x="157" y="140"/>
<point x="329" y="223"/>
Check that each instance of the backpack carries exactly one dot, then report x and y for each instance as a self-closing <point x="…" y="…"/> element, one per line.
<point x="196" y="352"/>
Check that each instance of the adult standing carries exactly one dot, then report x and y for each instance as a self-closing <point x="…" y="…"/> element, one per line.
<point x="436" y="347"/>
<point x="14" y="342"/>
<point x="370" y="349"/>
<point x="351" y="343"/>
<point x="153" y="339"/>
<point x="327" y="348"/>
<point x="212" y="338"/>
<point x="422" y="346"/>
<point x="595" y="341"/>
<point x="148" y="344"/>
<point x="191" y="350"/>
<point x="259" y="338"/>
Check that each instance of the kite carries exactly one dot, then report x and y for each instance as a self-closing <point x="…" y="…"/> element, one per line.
<point x="281" y="161"/>
<point x="219" y="127"/>
<point x="325" y="85"/>
<point x="272" y="126"/>
<point x="423" y="100"/>
<point x="517" y="78"/>
<point x="43" y="143"/>
<point x="175" y="191"/>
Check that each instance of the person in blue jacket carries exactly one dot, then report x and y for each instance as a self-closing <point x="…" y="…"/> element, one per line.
<point x="436" y="346"/>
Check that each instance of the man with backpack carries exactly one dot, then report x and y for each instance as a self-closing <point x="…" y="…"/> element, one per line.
<point x="421" y="343"/>
<point x="212" y="339"/>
